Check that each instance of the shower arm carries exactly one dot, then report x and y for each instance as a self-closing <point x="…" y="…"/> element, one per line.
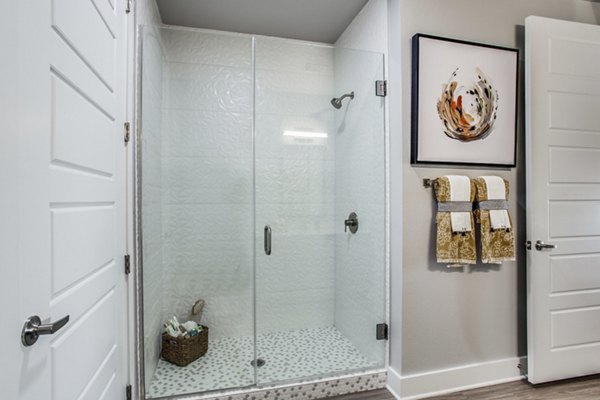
<point x="351" y="95"/>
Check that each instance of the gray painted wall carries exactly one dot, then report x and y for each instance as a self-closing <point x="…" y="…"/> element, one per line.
<point x="453" y="318"/>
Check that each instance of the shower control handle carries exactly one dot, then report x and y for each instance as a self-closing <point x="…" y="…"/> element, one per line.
<point x="267" y="240"/>
<point x="351" y="222"/>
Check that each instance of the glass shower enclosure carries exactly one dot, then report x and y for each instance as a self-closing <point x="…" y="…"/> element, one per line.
<point x="262" y="203"/>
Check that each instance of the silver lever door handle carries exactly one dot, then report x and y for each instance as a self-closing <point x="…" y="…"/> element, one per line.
<point x="268" y="240"/>
<point x="539" y="246"/>
<point x="33" y="328"/>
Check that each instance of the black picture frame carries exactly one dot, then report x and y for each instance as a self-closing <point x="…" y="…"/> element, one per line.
<point x="437" y="140"/>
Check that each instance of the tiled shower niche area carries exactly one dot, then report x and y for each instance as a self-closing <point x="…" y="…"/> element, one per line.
<point x="238" y="134"/>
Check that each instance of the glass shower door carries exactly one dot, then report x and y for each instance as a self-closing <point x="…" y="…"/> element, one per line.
<point x="319" y="289"/>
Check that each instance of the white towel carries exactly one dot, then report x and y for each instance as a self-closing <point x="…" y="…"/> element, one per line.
<point x="496" y="190"/>
<point x="460" y="190"/>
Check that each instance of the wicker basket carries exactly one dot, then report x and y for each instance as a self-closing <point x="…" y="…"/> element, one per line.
<point x="182" y="351"/>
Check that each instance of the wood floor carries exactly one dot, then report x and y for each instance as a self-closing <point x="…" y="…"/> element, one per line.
<point x="373" y="395"/>
<point x="574" y="389"/>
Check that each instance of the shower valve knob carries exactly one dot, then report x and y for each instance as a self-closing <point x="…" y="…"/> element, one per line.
<point x="351" y="222"/>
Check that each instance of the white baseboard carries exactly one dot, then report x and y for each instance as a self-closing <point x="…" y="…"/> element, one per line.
<point x="394" y="382"/>
<point x="435" y="383"/>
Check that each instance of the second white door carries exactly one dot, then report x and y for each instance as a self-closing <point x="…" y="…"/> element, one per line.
<point x="563" y="198"/>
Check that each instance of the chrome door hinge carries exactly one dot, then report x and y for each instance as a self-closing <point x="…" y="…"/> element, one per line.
<point x="126" y="132"/>
<point x="128" y="7"/>
<point x="128" y="394"/>
<point x="381" y="88"/>
<point x="382" y="332"/>
<point x="127" y="264"/>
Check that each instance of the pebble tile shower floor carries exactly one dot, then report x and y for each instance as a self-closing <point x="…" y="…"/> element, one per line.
<point x="288" y="355"/>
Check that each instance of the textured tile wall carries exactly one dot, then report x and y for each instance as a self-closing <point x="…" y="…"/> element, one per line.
<point x="208" y="179"/>
<point x="152" y="208"/>
<point x="317" y="275"/>
<point x="198" y="189"/>
<point x="208" y="187"/>
<point x="360" y="187"/>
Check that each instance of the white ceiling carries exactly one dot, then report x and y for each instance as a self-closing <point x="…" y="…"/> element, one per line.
<point x="315" y="20"/>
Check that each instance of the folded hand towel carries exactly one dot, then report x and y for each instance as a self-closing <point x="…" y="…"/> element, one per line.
<point x="496" y="191"/>
<point x="497" y="236"/>
<point x="460" y="190"/>
<point x="453" y="248"/>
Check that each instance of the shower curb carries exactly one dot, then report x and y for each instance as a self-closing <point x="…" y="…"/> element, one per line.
<point x="303" y="390"/>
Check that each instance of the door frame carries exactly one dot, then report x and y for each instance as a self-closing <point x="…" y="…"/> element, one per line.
<point x="134" y="284"/>
<point x="135" y="235"/>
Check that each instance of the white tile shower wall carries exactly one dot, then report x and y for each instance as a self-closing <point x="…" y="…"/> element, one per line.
<point x="294" y="185"/>
<point x="369" y="29"/>
<point x="360" y="182"/>
<point x="146" y="13"/>
<point x="152" y="197"/>
<point x="207" y="172"/>
<point x="208" y="179"/>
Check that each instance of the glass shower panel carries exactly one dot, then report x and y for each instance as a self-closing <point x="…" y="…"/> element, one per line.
<point x="320" y="290"/>
<point x="360" y="290"/>
<point x="197" y="204"/>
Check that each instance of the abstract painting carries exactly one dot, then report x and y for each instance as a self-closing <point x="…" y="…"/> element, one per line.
<point x="464" y="103"/>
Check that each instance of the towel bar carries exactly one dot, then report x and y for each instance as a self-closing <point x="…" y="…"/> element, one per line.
<point x="429" y="183"/>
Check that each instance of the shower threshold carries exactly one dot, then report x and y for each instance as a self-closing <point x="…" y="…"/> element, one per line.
<point x="288" y="355"/>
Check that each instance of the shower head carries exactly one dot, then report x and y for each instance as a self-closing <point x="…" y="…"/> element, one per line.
<point x="337" y="101"/>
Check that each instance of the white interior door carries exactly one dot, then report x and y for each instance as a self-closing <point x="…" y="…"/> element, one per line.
<point x="563" y="198"/>
<point x="63" y="173"/>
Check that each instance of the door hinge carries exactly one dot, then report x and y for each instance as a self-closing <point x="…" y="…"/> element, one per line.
<point x="128" y="394"/>
<point x="127" y="264"/>
<point x="381" y="88"/>
<point x="382" y="332"/>
<point x="126" y="132"/>
<point x="523" y="366"/>
<point x="128" y="7"/>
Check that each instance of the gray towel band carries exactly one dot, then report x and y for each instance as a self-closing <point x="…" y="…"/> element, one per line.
<point x="455" y="206"/>
<point x="493" y="205"/>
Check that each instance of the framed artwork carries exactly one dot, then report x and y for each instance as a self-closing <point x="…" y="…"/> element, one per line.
<point x="464" y="103"/>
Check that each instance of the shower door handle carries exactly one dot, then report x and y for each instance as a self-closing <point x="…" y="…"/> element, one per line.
<point x="267" y="240"/>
